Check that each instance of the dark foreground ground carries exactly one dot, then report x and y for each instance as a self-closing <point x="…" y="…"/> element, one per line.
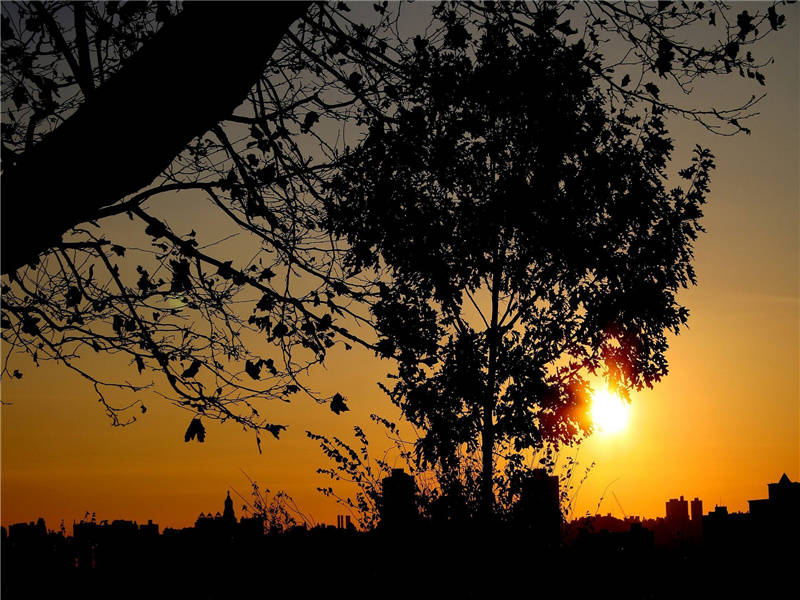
<point x="340" y="564"/>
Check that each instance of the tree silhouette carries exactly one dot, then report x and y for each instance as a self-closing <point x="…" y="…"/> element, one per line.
<point x="171" y="308"/>
<point x="170" y="299"/>
<point x="526" y="239"/>
<point x="160" y="80"/>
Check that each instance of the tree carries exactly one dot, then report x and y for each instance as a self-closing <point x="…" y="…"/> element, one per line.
<point x="526" y="240"/>
<point x="170" y="301"/>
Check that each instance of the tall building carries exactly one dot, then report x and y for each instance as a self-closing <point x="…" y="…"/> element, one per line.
<point x="697" y="510"/>
<point x="539" y="508"/>
<point x="677" y="519"/>
<point x="677" y="510"/>
<point x="697" y="518"/>
<point x="398" y="506"/>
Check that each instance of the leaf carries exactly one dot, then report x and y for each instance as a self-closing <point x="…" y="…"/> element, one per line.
<point x="309" y="121"/>
<point x="73" y="297"/>
<point x="181" y="280"/>
<point x="565" y="28"/>
<point x="626" y="80"/>
<point x="156" y="230"/>
<point x="338" y="405"/>
<point x="745" y="23"/>
<point x="732" y="49"/>
<point x="30" y="324"/>
<point x="325" y="322"/>
<point x="144" y="282"/>
<point x="118" y="250"/>
<point x="139" y="363"/>
<point x="666" y="55"/>
<point x="266" y="303"/>
<point x="253" y="369"/>
<point x="267" y="174"/>
<point x="354" y="81"/>
<point x="193" y="369"/>
<point x="457" y="36"/>
<point x="652" y="88"/>
<point x="225" y="271"/>
<point x="275" y="430"/>
<point x="775" y="20"/>
<point x="195" y="430"/>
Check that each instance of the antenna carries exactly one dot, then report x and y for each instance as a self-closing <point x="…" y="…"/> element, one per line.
<point x="624" y="514"/>
<point x="603" y="495"/>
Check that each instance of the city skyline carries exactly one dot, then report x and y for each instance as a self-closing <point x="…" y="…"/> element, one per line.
<point x="683" y="519"/>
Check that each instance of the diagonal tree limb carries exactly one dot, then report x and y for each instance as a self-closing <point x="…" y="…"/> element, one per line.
<point x="188" y="77"/>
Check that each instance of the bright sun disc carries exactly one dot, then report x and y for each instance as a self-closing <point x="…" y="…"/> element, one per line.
<point x="609" y="412"/>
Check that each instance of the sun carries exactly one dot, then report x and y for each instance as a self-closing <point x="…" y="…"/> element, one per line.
<point x="609" y="412"/>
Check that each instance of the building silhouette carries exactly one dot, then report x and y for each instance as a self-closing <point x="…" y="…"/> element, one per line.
<point x="696" y="524"/>
<point x="344" y="522"/>
<point x="677" y="510"/>
<point x="697" y="509"/>
<point x="220" y="543"/>
<point x="777" y="517"/>
<point x="227" y="514"/>
<point x="783" y="501"/>
<point x="398" y="502"/>
<point x="539" y="509"/>
<point x="677" y="519"/>
<point x="219" y="526"/>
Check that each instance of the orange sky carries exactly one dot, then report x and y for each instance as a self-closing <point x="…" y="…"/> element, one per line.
<point x="724" y="423"/>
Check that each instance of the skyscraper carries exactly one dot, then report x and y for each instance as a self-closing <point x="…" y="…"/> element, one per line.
<point x="697" y="510"/>
<point x="697" y="518"/>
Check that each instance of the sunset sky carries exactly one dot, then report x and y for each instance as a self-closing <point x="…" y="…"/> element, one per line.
<point x="723" y="424"/>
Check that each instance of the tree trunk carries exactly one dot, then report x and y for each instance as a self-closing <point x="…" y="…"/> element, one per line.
<point x="182" y="82"/>
<point x="488" y="434"/>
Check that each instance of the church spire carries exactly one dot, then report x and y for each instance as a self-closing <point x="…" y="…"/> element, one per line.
<point x="228" y="515"/>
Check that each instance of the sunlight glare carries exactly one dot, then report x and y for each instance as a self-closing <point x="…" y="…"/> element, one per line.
<point x="609" y="412"/>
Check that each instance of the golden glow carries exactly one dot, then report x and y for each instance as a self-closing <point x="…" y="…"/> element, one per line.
<point x="722" y="424"/>
<point x="610" y="413"/>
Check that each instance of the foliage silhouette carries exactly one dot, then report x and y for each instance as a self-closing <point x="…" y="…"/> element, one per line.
<point x="159" y="79"/>
<point x="166" y="296"/>
<point x="526" y="240"/>
<point x="444" y="497"/>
